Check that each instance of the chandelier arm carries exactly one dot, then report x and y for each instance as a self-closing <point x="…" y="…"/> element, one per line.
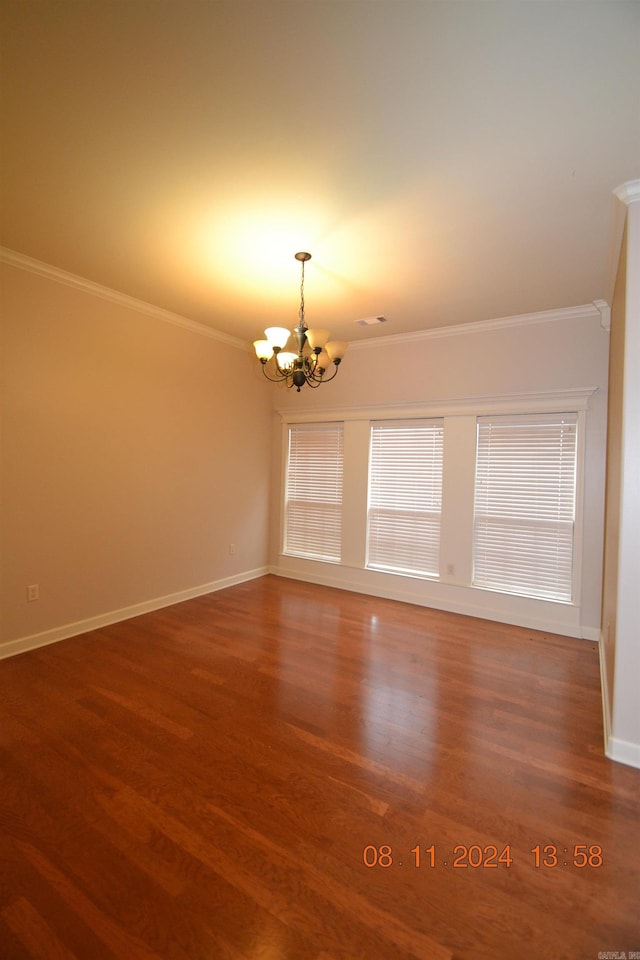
<point x="278" y="379"/>
<point x="334" y="374"/>
<point x="326" y="379"/>
<point x="280" y="369"/>
<point x="312" y="378"/>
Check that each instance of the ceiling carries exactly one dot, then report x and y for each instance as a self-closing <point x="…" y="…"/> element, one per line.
<point x="444" y="162"/>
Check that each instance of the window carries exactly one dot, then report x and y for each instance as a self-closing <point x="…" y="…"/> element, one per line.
<point x="313" y="494"/>
<point x="405" y="496"/>
<point x="525" y="505"/>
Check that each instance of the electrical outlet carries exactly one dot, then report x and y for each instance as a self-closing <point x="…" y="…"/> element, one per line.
<point x="232" y="548"/>
<point x="33" y="592"/>
<point x="451" y="569"/>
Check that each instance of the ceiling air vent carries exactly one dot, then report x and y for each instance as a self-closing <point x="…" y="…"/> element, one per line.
<point x="370" y="321"/>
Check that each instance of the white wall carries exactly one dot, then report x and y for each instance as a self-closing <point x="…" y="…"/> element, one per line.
<point x="134" y="451"/>
<point x="461" y="372"/>
<point x="620" y="639"/>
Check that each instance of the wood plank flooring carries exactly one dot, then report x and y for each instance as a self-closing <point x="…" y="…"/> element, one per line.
<point x="207" y="781"/>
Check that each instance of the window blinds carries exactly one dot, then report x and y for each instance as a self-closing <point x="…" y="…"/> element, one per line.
<point x="405" y="496"/>
<point x="525" y="505"/>
<point x="313" y="496"/>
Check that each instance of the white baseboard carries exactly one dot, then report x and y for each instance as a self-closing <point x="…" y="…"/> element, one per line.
<point x="345" y="578"/>
<point x="22" y="644"/>
<point x="623" y="752"/>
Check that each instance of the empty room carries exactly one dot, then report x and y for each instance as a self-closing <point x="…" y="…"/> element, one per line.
<point x="319" y="480"/>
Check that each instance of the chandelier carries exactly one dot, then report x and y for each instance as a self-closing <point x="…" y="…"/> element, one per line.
<point x="296" y="369"/>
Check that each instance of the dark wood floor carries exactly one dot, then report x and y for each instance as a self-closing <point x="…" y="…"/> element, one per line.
<point x="205" y="783"/>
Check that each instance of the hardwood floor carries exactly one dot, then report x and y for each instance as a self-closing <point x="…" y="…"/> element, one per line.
<point x="206" y="783"/>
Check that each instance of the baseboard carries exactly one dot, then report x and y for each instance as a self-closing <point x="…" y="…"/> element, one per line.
<point x="346" y="580"/>
<point x="23" y="644"/>
<point x="623" y="752"/>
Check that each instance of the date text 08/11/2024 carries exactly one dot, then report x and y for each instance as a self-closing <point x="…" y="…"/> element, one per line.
<point x="464" y="856"/>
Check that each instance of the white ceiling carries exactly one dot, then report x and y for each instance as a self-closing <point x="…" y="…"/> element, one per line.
<point x="443" y="162"/>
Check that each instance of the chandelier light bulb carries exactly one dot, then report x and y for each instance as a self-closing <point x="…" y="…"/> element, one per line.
<point x="264" y="350"/>
<point x="286" y="360"/>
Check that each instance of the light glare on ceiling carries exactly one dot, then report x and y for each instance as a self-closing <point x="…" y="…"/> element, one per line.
<point x="252" y="240"/>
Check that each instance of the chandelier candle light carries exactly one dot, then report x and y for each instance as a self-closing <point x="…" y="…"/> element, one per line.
<point x="297" y="369"/>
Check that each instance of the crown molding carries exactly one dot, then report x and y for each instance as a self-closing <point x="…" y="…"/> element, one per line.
<point x="628" y="192"/>
<point x="587" y="311"/>
<point x="605" y="314"/>
<point x="20" y="260"/>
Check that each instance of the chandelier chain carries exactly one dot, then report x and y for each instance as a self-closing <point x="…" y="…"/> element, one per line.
<point x="301" y="314"/>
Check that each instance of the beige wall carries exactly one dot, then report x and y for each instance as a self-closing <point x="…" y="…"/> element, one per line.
<point x="544" y="354"/>
<point x="134" y="451"/>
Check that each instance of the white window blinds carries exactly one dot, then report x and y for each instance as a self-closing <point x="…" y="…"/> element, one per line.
<point x="525" y="505"/>
<point x="313" y="494"/>
<point x="405" y="496"/>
